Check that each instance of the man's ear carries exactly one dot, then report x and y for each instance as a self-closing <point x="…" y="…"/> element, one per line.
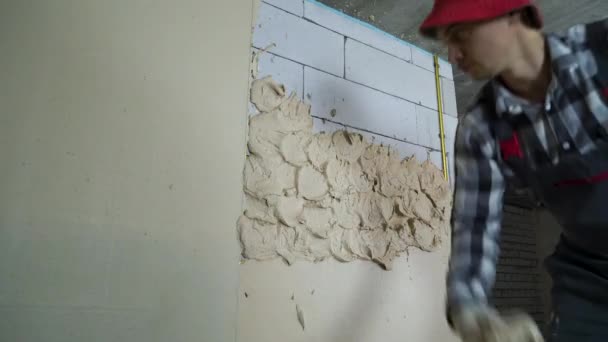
<point x="525" y="16"/>
<point x="515" y="17"/>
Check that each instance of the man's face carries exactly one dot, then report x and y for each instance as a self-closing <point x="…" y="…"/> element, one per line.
<point x="480" y="49"/>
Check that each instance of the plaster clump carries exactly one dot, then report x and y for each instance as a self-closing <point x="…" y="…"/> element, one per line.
<point x="313" y="196"/>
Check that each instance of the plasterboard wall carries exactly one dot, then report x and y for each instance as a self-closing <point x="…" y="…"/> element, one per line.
<point x="116" y="214"/>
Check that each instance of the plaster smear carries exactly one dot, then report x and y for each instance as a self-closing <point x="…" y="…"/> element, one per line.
<point x="318" y="196"/>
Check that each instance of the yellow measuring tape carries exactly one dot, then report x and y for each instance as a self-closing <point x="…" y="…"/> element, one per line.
<point x="444" y="157"/>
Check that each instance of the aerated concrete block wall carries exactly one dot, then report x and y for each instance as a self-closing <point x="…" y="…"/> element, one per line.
<point x="356" y="76"/>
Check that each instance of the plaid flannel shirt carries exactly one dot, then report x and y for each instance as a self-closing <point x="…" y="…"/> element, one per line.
<point x="574" y="110"/>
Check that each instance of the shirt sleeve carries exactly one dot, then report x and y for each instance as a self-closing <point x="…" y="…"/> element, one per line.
<point x="476" y="215"/>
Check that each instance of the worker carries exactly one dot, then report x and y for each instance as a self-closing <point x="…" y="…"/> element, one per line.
<point x="541" y="122"/>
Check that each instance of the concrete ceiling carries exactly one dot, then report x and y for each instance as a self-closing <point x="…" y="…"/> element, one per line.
<point x="403" y="17"/>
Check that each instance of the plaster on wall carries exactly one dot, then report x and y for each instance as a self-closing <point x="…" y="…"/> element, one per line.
<point x="315" y="196"/>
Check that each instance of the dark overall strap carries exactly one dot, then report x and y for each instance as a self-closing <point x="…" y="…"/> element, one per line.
<point x="597" y="42"/>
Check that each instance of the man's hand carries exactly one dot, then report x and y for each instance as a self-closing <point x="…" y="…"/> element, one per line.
<point x="483" y="324"/>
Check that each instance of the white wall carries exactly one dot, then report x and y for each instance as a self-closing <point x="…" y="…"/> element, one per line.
<point x="383" y="88"/>
<point x="352" y="302"/>
<point x="121" y="156"/>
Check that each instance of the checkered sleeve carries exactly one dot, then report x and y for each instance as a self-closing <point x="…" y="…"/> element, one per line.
<point x="476" y="214"/>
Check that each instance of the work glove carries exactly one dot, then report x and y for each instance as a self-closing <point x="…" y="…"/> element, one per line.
<point x="484" y="324"/>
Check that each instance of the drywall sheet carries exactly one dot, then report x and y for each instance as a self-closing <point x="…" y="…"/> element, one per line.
<point x="116" y="218"/>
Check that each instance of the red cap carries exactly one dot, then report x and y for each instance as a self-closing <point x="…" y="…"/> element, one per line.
<point x="447" y="12"/>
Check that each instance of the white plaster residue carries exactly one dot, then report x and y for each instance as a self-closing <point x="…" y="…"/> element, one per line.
<point x="344" y="211"/>
<point x="320" y="150"/>
<point x="287" y="209"/>
<point x="346" y="178"/>
<point x="375" y="159"/>
<point x="300" y="315"/>
<point x="258" y="238"/>
<point x="292" y="148"/>
<point x="318" y="220"/>
<point x="267" y="95"/>
<point x="265" y="177"/>
<point x="258" y="209"/>
<point x="348" y="146"/>
<point x="311" y="183"/>
<point x="315" y="196"/>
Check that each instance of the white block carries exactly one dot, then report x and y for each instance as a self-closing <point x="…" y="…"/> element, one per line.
<point x="321" y="125"/>
<point x="450" y="124"/>
<point x="428" y="127"/>
<point x="392" y="75"/>
<point x="299" y="40"/>
<point x="450" y="148"/>
<point x="408" y="150"/>
<point x="445" y="69"/>
<point x="292" y="6"/>
<point x="405" y="149"/>
<point x="251" y="109"/>
<point x="436" y="159"/>
<point x="356" y="29"/>
<point x="284" y="71"/>
<point x="358" y="106"/>
<point x="448" y="92"/>
<point x="449" y="127"/>
<point x="424" y="59"/>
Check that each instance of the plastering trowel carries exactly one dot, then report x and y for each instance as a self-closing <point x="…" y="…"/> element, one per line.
<point x="490" y="326"/>
<point x="516" y="327"/>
